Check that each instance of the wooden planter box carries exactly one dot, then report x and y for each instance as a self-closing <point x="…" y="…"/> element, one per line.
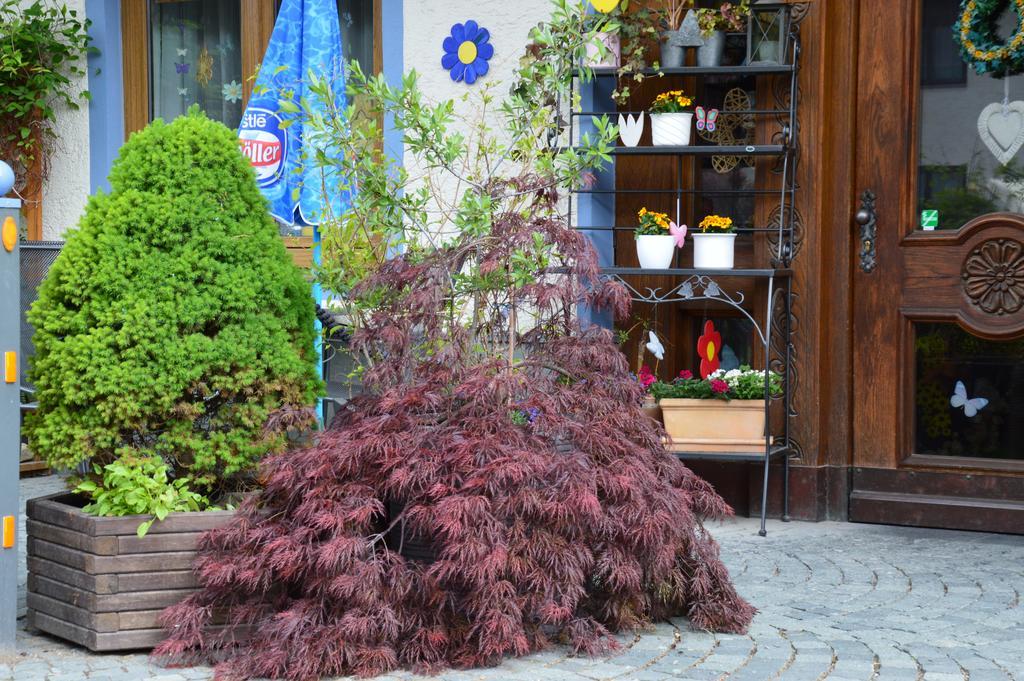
<point x="714" y="425"/>
<point x="301" y="250"/>
<point x="92" y="581"/>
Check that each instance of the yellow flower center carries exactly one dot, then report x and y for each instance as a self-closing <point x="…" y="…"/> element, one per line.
<point x="711" y="350"/>
<point x="467" y="52"/>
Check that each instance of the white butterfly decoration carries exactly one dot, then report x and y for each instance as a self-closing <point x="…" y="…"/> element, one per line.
<point x="183" y="91"/>
<point x="655" y="346"/>
<point x="971" y="406"/>
<point x="631" y="128"/>
<point x="182" y="51"/>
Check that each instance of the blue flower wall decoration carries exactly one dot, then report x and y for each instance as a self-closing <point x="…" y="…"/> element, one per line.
<point x="466" y="52"/>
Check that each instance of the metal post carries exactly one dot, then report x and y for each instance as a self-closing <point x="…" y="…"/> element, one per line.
<point x="786" y="396"/>
<point x="10" y="418"/>
<point x="767" y="406"/>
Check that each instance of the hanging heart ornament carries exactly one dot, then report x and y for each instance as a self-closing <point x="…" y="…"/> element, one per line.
<point x="1002" y="129"/>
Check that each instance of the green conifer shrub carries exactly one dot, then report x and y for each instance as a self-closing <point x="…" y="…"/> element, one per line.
<point x="173" y="323"/>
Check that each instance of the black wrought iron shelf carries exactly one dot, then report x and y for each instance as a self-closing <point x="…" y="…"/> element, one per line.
<point x="704" y="150"/>
<point x="691" y="272"/>
<point x="738" y="70"/>
<point x="748" y="457"/>
<point x="768" y="311"/>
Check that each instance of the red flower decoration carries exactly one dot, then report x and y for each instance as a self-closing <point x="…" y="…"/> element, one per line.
<point x="708" y="348"/>
<point x="719" y="387"/>
<point x="686" y="374"/>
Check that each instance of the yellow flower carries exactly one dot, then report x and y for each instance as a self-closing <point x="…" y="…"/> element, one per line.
<point x="715" y="222"/>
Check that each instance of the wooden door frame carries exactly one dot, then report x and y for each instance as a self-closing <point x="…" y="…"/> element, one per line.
<point x="257" y="25"/>
<point x="889" y="483"/>
<point x="258" y="18"/>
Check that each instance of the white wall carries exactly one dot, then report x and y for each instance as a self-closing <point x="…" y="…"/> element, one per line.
<point x="66" y="189"/>
<point x="427" y="24"/>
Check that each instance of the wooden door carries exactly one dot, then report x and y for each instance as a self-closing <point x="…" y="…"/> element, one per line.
<point x="938" y="297"/>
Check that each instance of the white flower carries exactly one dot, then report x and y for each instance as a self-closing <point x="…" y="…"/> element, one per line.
<point x="232" y="91"/>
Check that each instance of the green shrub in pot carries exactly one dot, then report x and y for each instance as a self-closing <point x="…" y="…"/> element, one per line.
<point x="173" y="325"/>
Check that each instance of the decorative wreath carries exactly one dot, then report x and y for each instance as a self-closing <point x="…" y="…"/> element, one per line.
<point x="980" y="44"/>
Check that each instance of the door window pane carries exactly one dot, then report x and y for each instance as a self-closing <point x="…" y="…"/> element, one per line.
<point x="959" y="177"/>
<point x="356" y="19"/>
<point x="195" y="58"/>
<point x="969" y="394"/>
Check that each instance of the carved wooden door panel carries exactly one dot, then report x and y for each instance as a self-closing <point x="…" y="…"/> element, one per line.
<point x="938" y="299"/>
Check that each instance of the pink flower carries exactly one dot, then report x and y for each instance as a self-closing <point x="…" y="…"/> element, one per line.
<point x="645" y="376"/>
<point x="686" y="374"/>
<point x="718" y="386"/>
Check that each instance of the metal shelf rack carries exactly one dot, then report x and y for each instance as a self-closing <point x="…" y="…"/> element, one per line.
<point x="690" y="285"/>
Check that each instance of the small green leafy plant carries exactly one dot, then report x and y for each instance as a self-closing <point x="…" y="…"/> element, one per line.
<point x="736" y="384"/>
<point x="42" y="54"/>
<point x="139" y="486"/>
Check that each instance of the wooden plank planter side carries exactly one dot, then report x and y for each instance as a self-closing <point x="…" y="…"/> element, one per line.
<point x="94" y="582"/>
<point x="131" y="600"/>
<point x="59" y="509"/>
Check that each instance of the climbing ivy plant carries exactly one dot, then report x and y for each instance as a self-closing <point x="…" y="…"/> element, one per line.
<point x="43" y="48"/>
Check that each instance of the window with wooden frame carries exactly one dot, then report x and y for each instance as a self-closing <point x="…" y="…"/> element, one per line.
<point x="182" y="52"/>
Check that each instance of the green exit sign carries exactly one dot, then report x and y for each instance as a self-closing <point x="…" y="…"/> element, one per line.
<point x="929" y="219"/>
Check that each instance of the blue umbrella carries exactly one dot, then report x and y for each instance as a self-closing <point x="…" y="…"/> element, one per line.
<point x="306" y="37"/>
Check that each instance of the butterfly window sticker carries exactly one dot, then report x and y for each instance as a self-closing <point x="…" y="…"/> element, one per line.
<point x="181" y="68"/>
<point x="970" y="405"/>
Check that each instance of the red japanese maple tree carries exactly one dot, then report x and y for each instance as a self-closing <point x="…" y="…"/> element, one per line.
<point x="495" y="429"/>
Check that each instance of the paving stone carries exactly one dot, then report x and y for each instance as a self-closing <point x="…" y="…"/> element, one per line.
<point x="832" y="598"/>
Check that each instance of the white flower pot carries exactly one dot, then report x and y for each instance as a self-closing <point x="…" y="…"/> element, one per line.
<point x="671" y="129"/>
<point x="655" y="251"/>
<point x="713" y="251"/>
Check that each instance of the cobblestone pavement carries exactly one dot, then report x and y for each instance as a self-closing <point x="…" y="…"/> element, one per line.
<point x="837" y="601"/>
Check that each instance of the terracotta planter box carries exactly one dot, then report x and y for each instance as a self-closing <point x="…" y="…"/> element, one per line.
<point x="714" y="425"/>
<point x="92" y="581"/>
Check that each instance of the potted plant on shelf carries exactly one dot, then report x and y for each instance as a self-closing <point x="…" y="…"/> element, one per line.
<point x="723" y="412"/>
<point x="637" y="32"/>
<point x="671" y="119"/>
<point x="675" y="37"/>
<point x="174" y="350"/>
<point x="713" y="25"/>
<point x="714" y="245"/>
<point x="656" y="239"/>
